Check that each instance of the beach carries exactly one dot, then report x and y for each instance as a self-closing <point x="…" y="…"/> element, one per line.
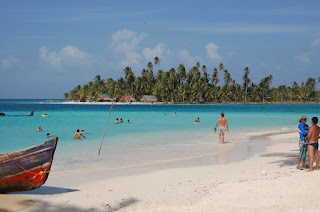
<point x="266" y="181"/>
<point x="163" y="162"/>
<point x="171" y="106"/>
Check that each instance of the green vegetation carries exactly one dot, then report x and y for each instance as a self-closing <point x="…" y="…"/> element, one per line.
<point x="194" y="86"/>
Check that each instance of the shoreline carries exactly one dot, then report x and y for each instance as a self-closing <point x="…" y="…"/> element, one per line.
<point x="175" y="103"/>
<point x="66" y="194"/>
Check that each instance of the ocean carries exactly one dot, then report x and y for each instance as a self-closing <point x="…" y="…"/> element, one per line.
<point x="150" y="136"/>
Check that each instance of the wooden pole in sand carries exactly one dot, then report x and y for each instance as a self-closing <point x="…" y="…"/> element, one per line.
<point x="105" y="130"/>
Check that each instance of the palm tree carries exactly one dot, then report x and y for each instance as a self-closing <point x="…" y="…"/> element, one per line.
<point x="159" y="75"/>
<point x="215" y="77"/>
<point x="227" y="78"/>
<point x="66" y="95"/>
<point x="156" y="61"/>
<point x="182" y="74"/>
<point x="204" y="69"/>
<point x="311" y="84"/>
<point x="265" y="86"/>
<point x="215" y="80"/>
<point x="130" y="77"/>
<point x="172" y="80"/>
<point x="150" y="66"/>
<point x="197" y="65"/>
<point x="246" y="80"/>
<point x="84" y="91"/>
<point x="221" y="66"/>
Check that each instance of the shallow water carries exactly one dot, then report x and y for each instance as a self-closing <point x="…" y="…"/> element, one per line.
<point x="150" y="137"/>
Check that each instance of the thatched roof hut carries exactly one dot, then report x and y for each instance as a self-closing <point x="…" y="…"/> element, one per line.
<point x="148" y="98"/>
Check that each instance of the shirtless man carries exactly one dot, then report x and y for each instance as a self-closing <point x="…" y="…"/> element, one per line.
<point x="313" y="136"/>
<point x="78" y="134"/>
<point x="222" y="127"/>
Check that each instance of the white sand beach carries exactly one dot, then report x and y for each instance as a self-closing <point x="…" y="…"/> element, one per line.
<point x="268" y="181"/>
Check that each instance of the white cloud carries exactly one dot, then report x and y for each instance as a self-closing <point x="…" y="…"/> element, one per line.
<point x="126" y="43"/>
<point x="159" y="51"/>
<point x="68" y="56"/>
<point x="212" y="52"/>
<point x="9" y="62"/>
<point x="303" y="58"/>
<point x="186" y="57"/>
<point x="316" y="43"/>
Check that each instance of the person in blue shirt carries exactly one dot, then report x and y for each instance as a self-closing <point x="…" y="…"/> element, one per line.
<point x="303" y="132"/>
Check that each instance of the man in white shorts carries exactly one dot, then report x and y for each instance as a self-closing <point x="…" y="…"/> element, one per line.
<point x="222" y="127"/>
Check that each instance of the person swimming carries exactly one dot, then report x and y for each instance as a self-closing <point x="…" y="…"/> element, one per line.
<point x="49" y="136"/>
<point x="128" y="121"/>
<point x="121" y="120"/>
<point x="198" y="120"/>
<point x="78" y="134"/>
<point x="39" y="129"/>
<point x="117" y="121"/>
<point x="195" y="122"/>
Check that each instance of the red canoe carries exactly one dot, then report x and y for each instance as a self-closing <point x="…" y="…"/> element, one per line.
<point x="26" y="169"/>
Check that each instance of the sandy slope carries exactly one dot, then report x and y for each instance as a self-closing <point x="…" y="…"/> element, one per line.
<point x="267" y="181"/>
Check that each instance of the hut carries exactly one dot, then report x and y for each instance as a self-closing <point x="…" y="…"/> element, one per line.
<point x="127" y="99"/>
<point x="148" y="98"/>
<point x="105" y="98"/>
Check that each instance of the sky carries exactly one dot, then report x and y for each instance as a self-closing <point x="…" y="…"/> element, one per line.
<point x="49" y="47"/>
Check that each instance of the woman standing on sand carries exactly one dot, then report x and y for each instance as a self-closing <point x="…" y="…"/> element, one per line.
<point x="303" y="132"/>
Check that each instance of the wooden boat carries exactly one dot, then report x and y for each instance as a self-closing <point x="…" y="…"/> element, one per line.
<point x="26" y="169"/>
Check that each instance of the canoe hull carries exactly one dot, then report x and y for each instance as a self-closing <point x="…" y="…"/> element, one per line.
<point x="26" y="169"/>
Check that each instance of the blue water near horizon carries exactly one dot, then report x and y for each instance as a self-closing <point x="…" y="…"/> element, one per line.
<point x="148" y="124"/>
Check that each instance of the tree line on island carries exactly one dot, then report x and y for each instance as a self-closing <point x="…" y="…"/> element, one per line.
<point x="194" y="86"/>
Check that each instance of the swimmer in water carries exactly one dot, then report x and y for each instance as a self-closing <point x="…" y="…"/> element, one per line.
<point x="128" y="121"/>
<point x="121" y="120"/>
<point x="78" y="134"/>
<point x="117" y="121"/>
<point x="39" y="129"/>
<point x="49" y="136"/>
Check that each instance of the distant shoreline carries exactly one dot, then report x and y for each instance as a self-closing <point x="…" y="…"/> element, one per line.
<point x="181" y="103"/>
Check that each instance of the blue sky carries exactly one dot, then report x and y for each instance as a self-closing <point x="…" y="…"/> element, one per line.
<point x="48" y="48"/>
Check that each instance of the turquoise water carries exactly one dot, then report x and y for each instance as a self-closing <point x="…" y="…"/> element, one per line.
<point x="149" y="126"/>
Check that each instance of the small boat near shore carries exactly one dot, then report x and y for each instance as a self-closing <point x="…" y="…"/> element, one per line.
<point x="31" y="114"/>
<point x="26" y="169"/>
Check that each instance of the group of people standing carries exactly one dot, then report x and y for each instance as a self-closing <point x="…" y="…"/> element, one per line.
<point x="308" y="143"/>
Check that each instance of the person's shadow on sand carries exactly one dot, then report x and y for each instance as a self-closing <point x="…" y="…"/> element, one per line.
<point x="45" y="206"/>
